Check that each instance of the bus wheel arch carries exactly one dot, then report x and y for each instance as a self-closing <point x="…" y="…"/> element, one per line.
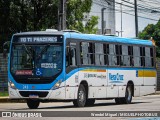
<point x="85" y="84"/>
<point x="130" y="82"/>
<point x="82" y="95"/>
<point x="129" y="92"/>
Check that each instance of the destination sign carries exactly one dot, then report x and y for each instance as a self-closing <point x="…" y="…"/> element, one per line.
<point x="38" y="39"/>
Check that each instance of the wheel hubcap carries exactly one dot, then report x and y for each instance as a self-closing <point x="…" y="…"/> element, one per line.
<point x="81" y="96"/>
<point x="129" y="94"/>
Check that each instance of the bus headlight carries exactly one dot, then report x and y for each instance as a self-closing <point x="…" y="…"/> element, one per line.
<point x="12" y="85"/>
<point x="57" y="85"/>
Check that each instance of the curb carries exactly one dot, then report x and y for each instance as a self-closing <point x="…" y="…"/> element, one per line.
<point x="8" y="100"/>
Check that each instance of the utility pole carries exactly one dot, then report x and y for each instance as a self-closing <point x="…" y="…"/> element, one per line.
<point x="62" y="15"/>
<point x="136" y="18"/>
<point x="102" y="22"/>
<point x="121" y="20"/>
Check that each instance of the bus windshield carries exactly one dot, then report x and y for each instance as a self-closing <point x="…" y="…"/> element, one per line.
<point x="36" y="60"/>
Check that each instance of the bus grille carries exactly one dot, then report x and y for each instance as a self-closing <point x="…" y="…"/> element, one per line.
<point x="39" y="93"/>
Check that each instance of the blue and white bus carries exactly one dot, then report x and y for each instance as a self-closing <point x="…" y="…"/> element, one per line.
<point x="51" y="66"/>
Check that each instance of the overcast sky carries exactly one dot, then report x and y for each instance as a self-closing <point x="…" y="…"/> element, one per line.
<point x="128" y="21"/>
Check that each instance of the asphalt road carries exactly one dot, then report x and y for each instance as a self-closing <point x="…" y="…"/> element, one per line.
<point x="145" y="103"/>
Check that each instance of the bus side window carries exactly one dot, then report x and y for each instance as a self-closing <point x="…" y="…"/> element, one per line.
<point x="84" y="53"/>
<point x="151" y="55"/>
<point x="130" y="56"/>
<point x="99" y="54"/>
<point x="91" y="53"/>
<point x="147" y="57"/>
<point x="125" y="56"/>
<point x="106" y="52"/>
<point x="71" y="56"/>
<point x="136" y="56"/>
<point x="118" y="54"/>
<point x="112" y="55"/>
<point x="67" y="56"/>
<point x="142" y="56"/>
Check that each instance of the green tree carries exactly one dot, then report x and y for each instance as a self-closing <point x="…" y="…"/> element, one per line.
<point x="152" y="31"/>
<point x="4" y="21"/>
<point x="35" y="15"/>
<point x="75" y="16"/>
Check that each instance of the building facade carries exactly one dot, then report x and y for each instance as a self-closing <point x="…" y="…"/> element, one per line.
<point x="105" y="10"/>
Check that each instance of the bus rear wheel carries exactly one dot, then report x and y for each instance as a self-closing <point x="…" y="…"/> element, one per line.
<point x="81" y="97"/>
<point x="128" y="94"/>
<point x="33" y="104"/>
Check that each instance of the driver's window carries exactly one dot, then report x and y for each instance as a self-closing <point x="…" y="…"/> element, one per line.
<point x="71" y="56"/>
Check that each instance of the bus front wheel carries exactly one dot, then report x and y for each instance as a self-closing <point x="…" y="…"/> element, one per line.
<point x="33" y="104"/>
<point x="81" y="97"/>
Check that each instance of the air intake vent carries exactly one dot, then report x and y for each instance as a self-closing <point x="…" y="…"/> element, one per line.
<point x="27" y="93"/>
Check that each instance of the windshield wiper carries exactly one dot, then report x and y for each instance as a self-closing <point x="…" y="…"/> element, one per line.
<point x="43" y="51"/>
<point x="29" y="52"/>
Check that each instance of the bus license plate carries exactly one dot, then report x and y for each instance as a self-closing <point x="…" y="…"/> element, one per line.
<point x="33" y="96"/>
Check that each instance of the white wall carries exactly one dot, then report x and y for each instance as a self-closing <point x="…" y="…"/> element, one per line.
<point x="109" y="13"/>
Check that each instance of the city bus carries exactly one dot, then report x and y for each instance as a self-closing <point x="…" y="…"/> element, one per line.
<point x="48" y="66"/>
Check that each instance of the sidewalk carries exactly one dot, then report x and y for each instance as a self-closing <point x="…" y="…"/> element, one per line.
<point x="6" y="99"/>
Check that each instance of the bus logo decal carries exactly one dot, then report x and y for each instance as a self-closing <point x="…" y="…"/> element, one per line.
<point x="116" y="77"/>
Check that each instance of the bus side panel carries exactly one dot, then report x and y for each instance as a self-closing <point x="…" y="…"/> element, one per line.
<point x="58" y="93"/>
<point x="149" y="77"/>
<point x="117" y="81"/>
<point x="121" y="91"/>
<point x="136" y="91"/>
<point x="71" y="85"/>
<point x="144" y="90"/>
<point x="97" y="92"/>
<point x="96" y="80"/>
<point x="13" y="94"/>
<point x="93" y="92"/>
<point x="137" y="76"/>
<point x="149" y="84"/>
<point x="112" y="91"/>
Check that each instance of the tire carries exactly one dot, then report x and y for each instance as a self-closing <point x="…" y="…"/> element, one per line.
<point x="81" y="97"/>
<point x="33" y="104"/>
<point x="119" y="100"/>
<point x="128" y="95"/>
<point x="90" y="102"/>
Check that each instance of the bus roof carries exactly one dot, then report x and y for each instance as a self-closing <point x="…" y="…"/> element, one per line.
<point x="88" y="37"/>
<point x="111" y="39"/>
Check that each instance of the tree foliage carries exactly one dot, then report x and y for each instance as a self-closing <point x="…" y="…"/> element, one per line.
<point x="75" y="16"/>
<point x="35" y="15"/>
<point x="152" y="31"/>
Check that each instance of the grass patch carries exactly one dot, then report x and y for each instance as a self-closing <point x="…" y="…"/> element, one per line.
<point x="3" y="93"/>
